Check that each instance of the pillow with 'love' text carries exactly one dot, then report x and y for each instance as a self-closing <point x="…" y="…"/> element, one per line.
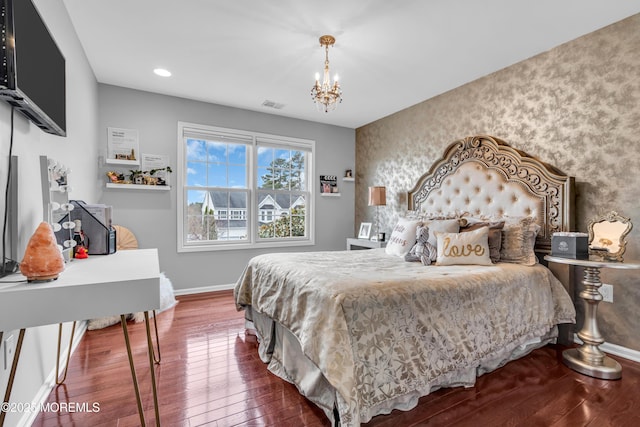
<point x="471" y="247"/>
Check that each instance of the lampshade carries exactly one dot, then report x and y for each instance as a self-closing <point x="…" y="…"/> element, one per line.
<point x="377" y="196"/>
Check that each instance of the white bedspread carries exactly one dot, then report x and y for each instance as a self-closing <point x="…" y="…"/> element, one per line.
<point x="380" y="328"/>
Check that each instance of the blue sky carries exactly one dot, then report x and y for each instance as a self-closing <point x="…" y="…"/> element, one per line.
<point x="218" y="164"/>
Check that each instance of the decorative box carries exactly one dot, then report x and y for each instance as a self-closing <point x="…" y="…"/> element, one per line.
<point x="570" y="245"/>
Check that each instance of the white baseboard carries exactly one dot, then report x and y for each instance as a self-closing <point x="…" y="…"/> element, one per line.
<point x="203" y="289"/>
<point x="616" y="350"/>
<point x="45" y="389"/>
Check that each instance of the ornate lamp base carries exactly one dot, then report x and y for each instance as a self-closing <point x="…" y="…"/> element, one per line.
<point x="608" y="370"/>
<point x="588" y="359"/>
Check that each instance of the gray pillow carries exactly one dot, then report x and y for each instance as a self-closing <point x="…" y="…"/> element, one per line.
<point x="495" y="236"/>
<point x="518" y="242"/>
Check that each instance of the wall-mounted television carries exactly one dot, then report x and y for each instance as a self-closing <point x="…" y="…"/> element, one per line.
<point x="32" y="73"/>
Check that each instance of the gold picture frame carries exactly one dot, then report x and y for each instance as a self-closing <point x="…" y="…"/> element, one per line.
<point x="607" y="236"/>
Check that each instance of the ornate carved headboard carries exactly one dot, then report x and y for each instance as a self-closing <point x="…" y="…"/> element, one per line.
<point x="484" y="176"/>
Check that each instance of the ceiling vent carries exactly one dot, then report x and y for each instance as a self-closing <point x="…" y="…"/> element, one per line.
<point x="273" y="104"/>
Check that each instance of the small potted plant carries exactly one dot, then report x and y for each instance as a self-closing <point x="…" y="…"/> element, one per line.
<point x="136" y="176"/>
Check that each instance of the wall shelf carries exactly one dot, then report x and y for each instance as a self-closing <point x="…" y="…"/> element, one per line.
<point x="120" y="162"/>
<point x="139" y="187"/>
<point x="348" y="179"/>
<point x="330" y="194"/>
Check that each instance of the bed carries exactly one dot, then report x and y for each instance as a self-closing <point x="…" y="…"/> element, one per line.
<point x="361" y="333"/>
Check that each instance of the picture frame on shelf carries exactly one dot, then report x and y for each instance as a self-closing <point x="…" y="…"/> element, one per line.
<point x="328" y="184"/>
<point x="365" y="230"/>
<point x="122" y="144"/>
<point x="156" y="169"/>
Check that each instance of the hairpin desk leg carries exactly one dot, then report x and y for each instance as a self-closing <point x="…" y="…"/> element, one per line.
<point x="155" y="324"/>
<point x="151" y="367"/>
<point x="123" y="322"/>
<point x="12" y="374"/>
<point x="66" y="366"/>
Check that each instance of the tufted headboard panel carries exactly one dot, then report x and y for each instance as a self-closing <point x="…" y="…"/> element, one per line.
<point x="484" y="176"/>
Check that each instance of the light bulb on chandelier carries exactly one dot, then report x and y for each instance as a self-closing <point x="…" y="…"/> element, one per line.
<point x="325" y="95"/>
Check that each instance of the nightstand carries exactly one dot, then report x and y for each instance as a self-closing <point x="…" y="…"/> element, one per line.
<point x="588" y="359"/>
<point x="357" y="244"/>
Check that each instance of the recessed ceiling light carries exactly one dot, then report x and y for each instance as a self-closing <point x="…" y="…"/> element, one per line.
<point x="162" y="72"/>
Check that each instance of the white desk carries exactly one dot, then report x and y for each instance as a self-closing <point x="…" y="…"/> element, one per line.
<point x="101" y="285"/>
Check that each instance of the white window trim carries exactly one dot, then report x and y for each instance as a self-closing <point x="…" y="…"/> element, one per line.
<point x="253" y="243"/>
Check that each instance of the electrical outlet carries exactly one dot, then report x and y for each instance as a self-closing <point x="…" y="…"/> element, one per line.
<point x="606" y="291"/>
<point x="9" y="349"/>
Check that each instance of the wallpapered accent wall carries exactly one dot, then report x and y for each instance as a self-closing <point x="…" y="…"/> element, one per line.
<point x="576" y="106"/>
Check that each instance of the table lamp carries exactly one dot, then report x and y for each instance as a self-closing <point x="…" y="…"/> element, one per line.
<point x="377" y="198"/>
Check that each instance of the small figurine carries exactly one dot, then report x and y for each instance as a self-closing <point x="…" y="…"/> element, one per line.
<point x="150" y="180"/>
<point x="81" y="253"/>
<point x="115" y="177"/>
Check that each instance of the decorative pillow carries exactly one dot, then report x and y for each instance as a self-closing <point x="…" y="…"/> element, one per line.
<point x="441" y="226"/>
<point x="518" y="241"/>
<point x="464" y="248"/>
<point x="423" y="250"/>
<point x="495" y="236"/>
<point x="403" y="237"/>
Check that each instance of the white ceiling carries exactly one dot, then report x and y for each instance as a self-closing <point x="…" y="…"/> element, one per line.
<point x="389" y="54"/>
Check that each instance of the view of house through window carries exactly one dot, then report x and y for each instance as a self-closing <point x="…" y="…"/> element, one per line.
<point x="281" y="192"/>
<point x="242" y="188"/>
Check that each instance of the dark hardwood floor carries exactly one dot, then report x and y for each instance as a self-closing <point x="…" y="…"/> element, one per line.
<point x="211" y="375"/>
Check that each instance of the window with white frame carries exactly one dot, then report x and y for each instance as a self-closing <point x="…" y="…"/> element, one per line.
<point x="240" y="189"/>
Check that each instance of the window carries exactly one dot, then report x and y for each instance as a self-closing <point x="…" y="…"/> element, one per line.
<point x="242" y="189"/>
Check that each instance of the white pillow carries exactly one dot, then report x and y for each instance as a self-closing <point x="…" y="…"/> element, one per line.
<point x="471" y="247"/>
<point x="403" y="237"/>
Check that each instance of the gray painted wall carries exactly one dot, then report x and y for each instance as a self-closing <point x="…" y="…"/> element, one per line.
<point x="151" y="215"/>
<point x="39" y="349"/>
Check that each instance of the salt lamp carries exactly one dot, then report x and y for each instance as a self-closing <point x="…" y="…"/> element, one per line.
<point x="42" y="258"/>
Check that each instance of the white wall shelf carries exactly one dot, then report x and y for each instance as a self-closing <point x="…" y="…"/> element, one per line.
<point x="120" y="162"/>
<point x="139" y="187"/>
<point x="345" y="179"/>
<point x="330" y="194"/>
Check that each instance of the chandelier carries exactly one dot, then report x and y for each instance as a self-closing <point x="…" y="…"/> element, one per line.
<point x="326" y="96"/>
